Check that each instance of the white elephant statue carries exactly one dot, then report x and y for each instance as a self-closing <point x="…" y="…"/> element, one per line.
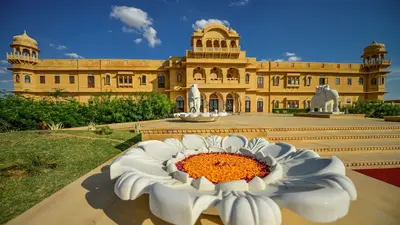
<point x="194" y="99"/>
<point x="325" y="96"/>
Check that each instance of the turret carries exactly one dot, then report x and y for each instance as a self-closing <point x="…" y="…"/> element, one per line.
<point x="25" y="50"/>
<point x="374" y="56"/>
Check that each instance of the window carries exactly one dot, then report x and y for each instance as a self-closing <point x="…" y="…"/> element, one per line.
<point x="180" y="102"/>
<point x="337" y="80"/>
<point x="17" y="78"/>
<point x="179" y="77"/>
<point x="260" y="105"/>
<point x="276" y="81"/>
<point x="308" y="104"/>
<point x="161" y="81"/>
<point x="125" y="81"/>
<point x="71" y="79"/>
<point x="373" y="81"/>
<point x="42" y="79"/>
<point x="348" y="100"/>
<point x="382" y="80"/>
<point x="276" y="104"/>
<point x="293" y="80"/>
<point x="57" y="79"/>
<point x="349" y="81"/>
<point x="260" y="82"/>
<point x="247" y="79"/>
<point x="107" y="80"/>
<point x="247" y="104"/>
<point x="322" y="81"/>
<point x="27" y="79"/>
<point x="292" y="104"/>
<point x="142" y="80"/>
<point x="91" y="80"/>
<point x="308" y="81"/>
<point x="360" y="81"/>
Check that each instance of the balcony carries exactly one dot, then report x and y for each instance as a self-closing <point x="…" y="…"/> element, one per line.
<point x="378" y="63"/>
<point x="216" y="50"/>
<point x="18" y="58"/>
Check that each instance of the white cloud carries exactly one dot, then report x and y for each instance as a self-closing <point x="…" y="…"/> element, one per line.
<point x="138" y="40"/>
<point x="184" y="18"/>
<point x="200" y="24"/>
<point x="239" y="3"/>
<point x="290" y="54"/>
<point x="265" y="60"/>
<point x="3" y="70"/>
<point x="6" y="81"/>
<point x="74" y="55"/>
<point x="138" y="21"/>
<point x="128" y="30"/>
<point x="294" y="58"/>
<point x="58" y="47"/>
<point x="3" y="62"/>
<point x="61" y="47"/>
<point x="278" y="60"/>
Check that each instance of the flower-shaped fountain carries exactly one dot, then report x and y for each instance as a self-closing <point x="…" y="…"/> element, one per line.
<point x="194" y="106"/>
<point x="247" y="181"/>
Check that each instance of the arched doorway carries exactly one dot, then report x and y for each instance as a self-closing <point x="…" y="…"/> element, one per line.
<point x="180" y="104"/>
<point x="229" y="103"/>
<point x="247" y="104"/>
<point x="202" y="102"/>
<point x="214" y="103"/>
<point x="260" y="105"/>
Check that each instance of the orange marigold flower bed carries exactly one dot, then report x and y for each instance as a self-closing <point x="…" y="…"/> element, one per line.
<point x="222" y="167"/>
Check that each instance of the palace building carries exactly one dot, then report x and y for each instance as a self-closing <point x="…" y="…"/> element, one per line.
<point x="228" y="79"/>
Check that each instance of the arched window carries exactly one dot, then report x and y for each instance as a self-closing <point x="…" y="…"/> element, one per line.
<point x="223" y="44"/>
<point x="34" y="54"/>
<point x="179" y="77"/>
<point x="143" y="80"/>
<point x="161" y="81"/>
<point x="247" y="78"/>
<point x="276" y="104"/>
<point x="233" y="44"/>
<point x="373" y="81"/>
<point x="308" y="104"/>
<point x="27" y="79"/>
<point x="308" y="80"/>
<point x="247" y="104"/>
<point x="214" y="103"/>
<point x="17" y="78"/>
<point x="276" y="82"/>
<point x="199" y="44"/>
<point x="108" y="80"/>
<point x="18" y="52"/>
<point x="216" y="44"/>
<point x="180" y="104"/>
<point x="260" y="105"/>
<point x="209" y="44"/>
<point x="91" y="80"/>
<point x="229" y="103"/>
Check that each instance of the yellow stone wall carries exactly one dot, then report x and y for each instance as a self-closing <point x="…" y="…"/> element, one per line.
<point x="212" y="63"/>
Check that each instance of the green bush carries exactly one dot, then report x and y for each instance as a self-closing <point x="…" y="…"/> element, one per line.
<point x="106" y="130"/>
<point x="374" y="109"/>
<point x="18" y="113"/>
<point x="290" y="111"/>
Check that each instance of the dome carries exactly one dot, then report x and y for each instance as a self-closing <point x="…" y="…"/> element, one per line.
<point x="24" y="39"/>
<point x="375" y="47"/>
<point x="198" y="30"/>
<point x="232" y="31"/>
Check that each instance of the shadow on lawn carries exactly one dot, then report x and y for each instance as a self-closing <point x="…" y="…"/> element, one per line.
<point x="101" y="195"/>
<point x="130" y="142"/>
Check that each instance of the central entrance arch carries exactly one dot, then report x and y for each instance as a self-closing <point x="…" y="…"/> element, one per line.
<point x="214" y="103"/>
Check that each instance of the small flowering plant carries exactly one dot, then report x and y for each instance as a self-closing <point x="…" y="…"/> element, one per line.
<point x="246" y="180"/>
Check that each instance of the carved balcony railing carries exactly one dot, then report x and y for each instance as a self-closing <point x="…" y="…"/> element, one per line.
<point x="15" y="58"/>
<point x="216" y="50"/>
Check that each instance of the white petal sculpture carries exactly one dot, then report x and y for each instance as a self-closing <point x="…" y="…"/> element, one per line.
<point x="194" y="114"/>
<point x="301" y="181"/>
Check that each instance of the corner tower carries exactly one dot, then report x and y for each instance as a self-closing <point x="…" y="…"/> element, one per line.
<point x="375" y="64"/>
<point x="25" y="50"/>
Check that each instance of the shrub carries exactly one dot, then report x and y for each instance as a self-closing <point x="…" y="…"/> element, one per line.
<point x="19" y="113"/>
<point x="374" y="109"/>
<point x="290" y="111"/>
<point x="106" y="130"/>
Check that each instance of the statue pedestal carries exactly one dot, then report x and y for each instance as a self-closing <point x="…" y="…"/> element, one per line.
<point x="334" y="113"/>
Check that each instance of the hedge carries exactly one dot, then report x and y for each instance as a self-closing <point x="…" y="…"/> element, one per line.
<point x="290" y="111"/>
<point x="18" y="113"/>
<point x="374" y="109"/>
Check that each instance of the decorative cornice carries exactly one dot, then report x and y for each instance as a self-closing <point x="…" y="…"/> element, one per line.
<point x="202" y="131"/>
<point x="356" y="149"/>
<point x="333" y="128"/>
<point x="372" y="164"/>
<point x="278" y="138"/>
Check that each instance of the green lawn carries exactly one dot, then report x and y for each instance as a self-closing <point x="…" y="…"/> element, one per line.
<point x="33" y="166"/>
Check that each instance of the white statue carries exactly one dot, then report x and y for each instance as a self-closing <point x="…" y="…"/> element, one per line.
<point x="324" y="97"/>
<point x="194" y="99"/>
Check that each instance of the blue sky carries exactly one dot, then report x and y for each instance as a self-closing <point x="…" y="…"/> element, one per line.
<point x="314" y="30"/>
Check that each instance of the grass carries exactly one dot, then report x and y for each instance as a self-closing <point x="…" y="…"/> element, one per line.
<point x="33" y="166"/>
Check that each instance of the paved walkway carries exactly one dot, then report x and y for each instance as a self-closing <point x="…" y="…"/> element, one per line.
<point x="91" y="200"/>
